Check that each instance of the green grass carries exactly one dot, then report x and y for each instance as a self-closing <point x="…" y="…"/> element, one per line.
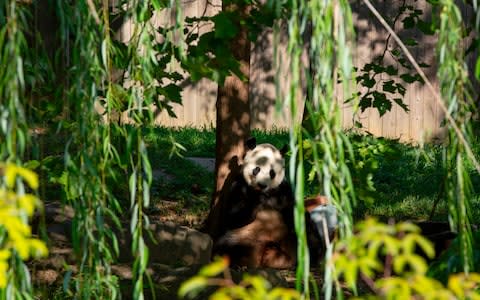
<point x="410" y="183"/>
<point x="197" y="142"/>
<point x="201" y="142"/>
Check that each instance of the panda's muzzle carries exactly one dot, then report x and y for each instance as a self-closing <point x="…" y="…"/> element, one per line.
<point x="261" y="186"/>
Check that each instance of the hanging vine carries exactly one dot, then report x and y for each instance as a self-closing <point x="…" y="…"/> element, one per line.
<point x="151" y="83"/>
<point x="18" y="185"/>
<point x="90" y="156"/>
<point x="320" y="140"/>
<point x="13" y="123"/>
<point x="456" y="93"/>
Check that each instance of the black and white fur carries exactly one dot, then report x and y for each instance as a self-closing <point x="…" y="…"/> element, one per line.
<point x="258" y="222"/>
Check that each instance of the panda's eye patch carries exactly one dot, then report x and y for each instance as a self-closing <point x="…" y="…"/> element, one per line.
<point x="261" y="161"/>
<point x="272" y="174"/>
<point x="256" y="171"/>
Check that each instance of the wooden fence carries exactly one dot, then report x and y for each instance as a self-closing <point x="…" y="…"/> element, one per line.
<point x="420" y="123"/>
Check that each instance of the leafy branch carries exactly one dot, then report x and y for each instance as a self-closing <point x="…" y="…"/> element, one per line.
<point x="382" y="100"/>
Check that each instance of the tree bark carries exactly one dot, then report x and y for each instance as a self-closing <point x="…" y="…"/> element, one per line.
<point x="233" y="119"/>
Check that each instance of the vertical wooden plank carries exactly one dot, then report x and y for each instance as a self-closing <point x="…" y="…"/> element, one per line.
<point x="364" y="29"/>
<point x="261" y="89"/>
<point x="190" y="95"/>
<point x="416" y="101"/>
<point x="402" y="126"/>
<point x="207" y="95"/>
<point x="429" y="123"/>
<point x="402" y="130"/>
<point x="262" y="81"/>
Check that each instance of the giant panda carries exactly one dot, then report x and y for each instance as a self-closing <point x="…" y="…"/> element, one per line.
<point x="258" y="225"/>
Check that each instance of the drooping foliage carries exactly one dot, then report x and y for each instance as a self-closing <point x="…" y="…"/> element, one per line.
<point x="327" y="26"/>
<point x="103" y="147"/>
<point x="18" y="185"/>
<point x="89" y="153"/>
<point x="111" y="89"/>
<point x="457" y="95"/>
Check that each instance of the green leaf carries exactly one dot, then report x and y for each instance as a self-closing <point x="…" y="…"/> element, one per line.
<point x="283" y="293"/>
<point x="368" y="266"/>
<point x="224" y="27"/>
<point x="408" y="78"/>
<point x="405" y="63"/>
<point x="134" y="222"/>
<point x="407" y="227"/>
<point x="396" y="52"/>
<point x="410" y="42"/>
<point x="399" y="263"/>
<point x="388" y="86"/>
<point x="368" y="82"/>
<point x="132" y="184"/>
<point x="192" y="286"/>
<point x="418" y="264"/>
<point x="351" y="273"/>
<point x="146" y="192"/>
<point x="365" y="102"/>
<point x="426" y="246"/>
<point x="401" y="89"/>
<point x="172" y="92"/>
<point x="138" y="289"/>
<point x="423" y="65"/>
<point x="160" y="4"/>
<point x="377" y="68"/>
<point x="391" y="70"/>
<point x="381" y="102"/>
<point x="408" y="22"/>
<point x="427" y="28"/>
<point x="477" y="69"/>
<point x="104" y="53"/>
<point x="214" y="268"/>
<point x="404" y="106"/>
<point x="259" y="284"/>
<point x="144" y="254"/>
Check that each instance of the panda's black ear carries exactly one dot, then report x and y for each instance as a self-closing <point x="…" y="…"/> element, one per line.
<point x="284" y="150"/>
<point x="251" y="143"/>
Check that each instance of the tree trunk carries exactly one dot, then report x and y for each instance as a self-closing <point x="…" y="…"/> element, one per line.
<point x="233" y="119"/>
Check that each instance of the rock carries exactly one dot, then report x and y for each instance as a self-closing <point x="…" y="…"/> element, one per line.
<point x="174" y="245"/>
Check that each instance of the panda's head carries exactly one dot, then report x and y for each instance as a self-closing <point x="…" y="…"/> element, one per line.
<point x="263" y="166"/>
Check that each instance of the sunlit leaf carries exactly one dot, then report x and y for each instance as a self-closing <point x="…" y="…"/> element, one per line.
<point x="259" y="284"/>
<point x="351" y="273"/>
<point x="426" y="246"/>
<point x="215" y="268"/>
<point x="132" y="184"/>
<point x="192" y="286"/>
<point x="399" y="262"/>
<point x="477" y="69"/>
